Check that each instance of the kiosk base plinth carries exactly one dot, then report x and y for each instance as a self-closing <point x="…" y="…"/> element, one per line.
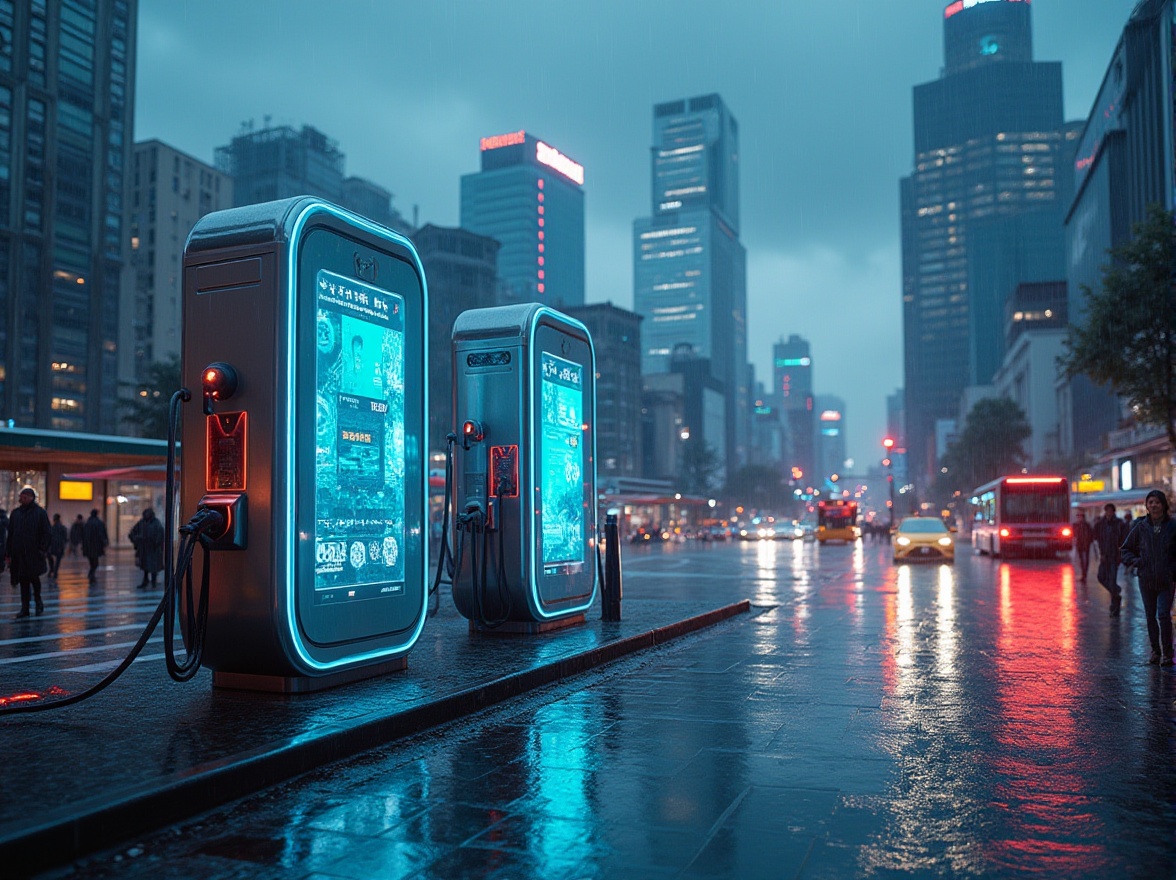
<point x="527" y="627"/>
<point x="300" y="684"/>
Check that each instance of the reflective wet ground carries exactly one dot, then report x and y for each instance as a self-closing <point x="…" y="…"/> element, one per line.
<point x="985" y="719"/>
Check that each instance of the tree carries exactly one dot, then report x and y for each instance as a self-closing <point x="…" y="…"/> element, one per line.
<point x="146" y="410"/>
<point x="988" y="447"/>
<point x="699" y="466"/>
<point x="1127" y="339"/>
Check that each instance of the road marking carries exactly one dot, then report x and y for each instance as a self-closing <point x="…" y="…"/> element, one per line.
<point x="57" y="636"/>
<point x="112" y="664"/>
<point x="8" y="661"/>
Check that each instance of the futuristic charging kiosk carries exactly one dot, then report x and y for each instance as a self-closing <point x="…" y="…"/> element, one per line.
<point x="525" y="405"/>
<point x="317" y="456"/>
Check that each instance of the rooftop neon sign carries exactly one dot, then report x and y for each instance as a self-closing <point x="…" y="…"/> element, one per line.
<point x="553" y="158"/>
<point x="961" y="5"/>
<point x="503" y="140"/>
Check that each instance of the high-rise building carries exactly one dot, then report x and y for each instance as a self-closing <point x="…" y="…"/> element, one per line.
<point x="460" y="268"/>
<point x="169" y="192"/>
<point x="689" y="274"/>
<point x="530" y="197"/>
<point x="1124" y="163"/>
<point x="281" y="162"/>
<point x="831" y="449"/>
<point x="982" y="211"/>
<point x="792" y="388"/>
<point x="67" y="74"/>
<point x="616" y="337"/>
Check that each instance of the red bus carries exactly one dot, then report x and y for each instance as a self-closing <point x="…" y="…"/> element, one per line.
<point x="1022" y="515"/>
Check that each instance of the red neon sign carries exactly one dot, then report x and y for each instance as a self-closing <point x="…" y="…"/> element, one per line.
<point x="961" y="5"/>
<point x="553" y="158"/>
<point x="503" y="140"/>
<point x="1038" y="480"/>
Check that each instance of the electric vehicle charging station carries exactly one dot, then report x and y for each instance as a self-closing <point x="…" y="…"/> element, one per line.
<point x="525" y="468"/>
<point x="305" y="325"/>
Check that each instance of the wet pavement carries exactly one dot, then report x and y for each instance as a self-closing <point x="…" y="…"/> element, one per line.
<point x="864" y="720"/>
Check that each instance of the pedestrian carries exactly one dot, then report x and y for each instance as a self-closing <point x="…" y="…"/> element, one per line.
<point x="75" y="535"/>
<point x="28" y="542"/>
<point x="94" y="543"/>
<point x="1083" y="537"/>
<point x="1150" y="549"/>
<point x="58" y="537"/>
<point x="147" y="536"/>
<point x="1109" y="533"/>
<point x="4" y="541"/>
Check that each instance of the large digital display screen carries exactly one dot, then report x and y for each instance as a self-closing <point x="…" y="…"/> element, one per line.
<point x="359" y="504"/>
<point x="561" y="460"/>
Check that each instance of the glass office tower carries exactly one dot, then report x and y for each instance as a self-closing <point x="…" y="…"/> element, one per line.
<point x="689" y="273"/>
<point x="66" y="120"/>
<point x="1125" y="162"/>
<point x="982" y="211"/>
<point x="530" y="197"/>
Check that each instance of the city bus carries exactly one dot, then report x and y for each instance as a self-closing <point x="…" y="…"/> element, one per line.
<point x="1022" y="515"/>
<point x="837" y="520"/>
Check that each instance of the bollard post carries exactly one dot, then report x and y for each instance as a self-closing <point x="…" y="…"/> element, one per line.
<point x="611" y="588"/>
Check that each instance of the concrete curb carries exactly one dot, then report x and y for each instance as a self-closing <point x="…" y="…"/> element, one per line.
<point x="99" y="823"/>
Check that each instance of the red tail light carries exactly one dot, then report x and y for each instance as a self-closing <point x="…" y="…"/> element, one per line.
<point x="1067" y="531"/>
<point x="1004" y="533"/>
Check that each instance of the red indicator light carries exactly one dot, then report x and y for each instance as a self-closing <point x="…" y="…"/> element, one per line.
<point x="540" y="274"/>
<point x="541" y="222"/>
<point x="540" y="288"/>
<point x="541" y="234"/>
<point x="540" y="181"/>
<point x="540" y="261"/>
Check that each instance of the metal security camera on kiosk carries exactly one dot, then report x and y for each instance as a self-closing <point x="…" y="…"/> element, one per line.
<point x="304" y="326"/>
<point x="524" y="488"/>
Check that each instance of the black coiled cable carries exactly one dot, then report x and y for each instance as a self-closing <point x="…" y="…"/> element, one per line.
<point x="204" y="521"/>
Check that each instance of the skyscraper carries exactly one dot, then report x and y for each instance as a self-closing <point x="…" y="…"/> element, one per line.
<point x="281" y="162"/>
<point x="169" y="192"/>
<point x="530" y="197"/>
<point x="1124" y="163"/>
<point x="689" y="274"/>
<point x="982" y="210"/>
<point x="831" y="449"/>
<point x="460" y="268"/>
<point x="792" y="388"/>
<point x="66" y="119"/>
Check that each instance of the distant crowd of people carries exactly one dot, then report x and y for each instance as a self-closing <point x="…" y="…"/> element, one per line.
<point x="1145" y="547"/>
<point x="31" y="545"/>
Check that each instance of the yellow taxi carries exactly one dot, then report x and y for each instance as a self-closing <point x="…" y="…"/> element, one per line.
<point x="923" y="537"/>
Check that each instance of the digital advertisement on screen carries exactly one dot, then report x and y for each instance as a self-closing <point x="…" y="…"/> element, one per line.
<point x="359" y="450"/>
<point x="561" y="457"/>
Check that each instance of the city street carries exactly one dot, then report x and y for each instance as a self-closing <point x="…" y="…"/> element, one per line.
<point x="865" y="719"/>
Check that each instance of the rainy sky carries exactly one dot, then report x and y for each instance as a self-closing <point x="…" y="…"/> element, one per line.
<point x="821" y="91"/>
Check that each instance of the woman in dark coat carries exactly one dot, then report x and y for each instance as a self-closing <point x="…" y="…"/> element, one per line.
<point x="1150" y="549"/>
<point x="94" y="541"/>
<point x="147" y="536"/>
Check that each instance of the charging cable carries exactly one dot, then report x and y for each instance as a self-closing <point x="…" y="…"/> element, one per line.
<point x="195" y="531"/>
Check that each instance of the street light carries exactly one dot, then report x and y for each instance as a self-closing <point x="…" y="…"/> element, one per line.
<point x="888" y="444"/>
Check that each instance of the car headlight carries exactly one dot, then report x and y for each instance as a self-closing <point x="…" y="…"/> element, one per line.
<point x="743" y="533"/>
<point x="903" y="541"/>
<point x="945" y="542"/>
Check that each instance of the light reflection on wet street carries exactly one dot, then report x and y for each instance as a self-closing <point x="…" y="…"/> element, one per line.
<point x="984" y="719"/>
